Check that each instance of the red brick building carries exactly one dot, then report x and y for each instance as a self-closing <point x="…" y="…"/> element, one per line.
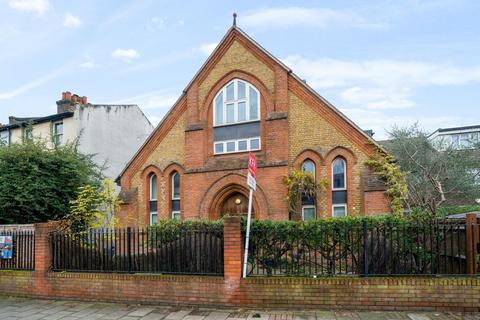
<point x="243" y="99"/>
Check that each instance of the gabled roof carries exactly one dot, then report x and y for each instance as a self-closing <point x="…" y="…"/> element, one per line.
<point x="235" y="31"/>
<point x="22" y="122"/>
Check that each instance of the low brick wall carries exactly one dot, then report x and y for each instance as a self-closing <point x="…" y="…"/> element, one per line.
<point x="399" y="293"/>
<point x="375" y="293"/>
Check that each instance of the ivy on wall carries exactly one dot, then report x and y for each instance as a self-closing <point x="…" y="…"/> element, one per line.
<point x="301" y="184"/>
<point x="384" y="166"/>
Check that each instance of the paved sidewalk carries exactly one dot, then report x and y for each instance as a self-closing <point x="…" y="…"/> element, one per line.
<point x="30" y="309"/>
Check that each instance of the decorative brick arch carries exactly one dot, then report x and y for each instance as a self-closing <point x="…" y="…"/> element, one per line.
<point x="309" y="154"/>
<point x="145" y="177"/>
<point x="206" y="115"/>
<point x="350" y="160"/>
<point x="312" y="155"/>
<point x="226" y="186"/>
<point x="266" y="99"/>
<point x="167" y="174"/>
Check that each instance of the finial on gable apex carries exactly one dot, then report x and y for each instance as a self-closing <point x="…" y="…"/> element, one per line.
<point x="234" y="19"/>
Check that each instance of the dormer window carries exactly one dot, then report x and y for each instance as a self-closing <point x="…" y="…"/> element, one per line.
<point x="236" y="116"/>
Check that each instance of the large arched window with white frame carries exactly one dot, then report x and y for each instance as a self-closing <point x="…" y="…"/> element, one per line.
<point x="175" y="195"/>
<point x="309" y="203"/>
<point x="153" y="199"/>
<point x="339" y="187"/>
<point x="236" y="118"/>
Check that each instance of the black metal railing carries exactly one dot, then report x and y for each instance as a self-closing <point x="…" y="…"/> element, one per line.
<point x="319" y="249"/>
<point x="17" y="248"/>
<point x="139" y="250"/>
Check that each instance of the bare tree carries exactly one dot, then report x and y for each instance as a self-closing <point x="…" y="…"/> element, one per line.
<point x="438" y="174"/>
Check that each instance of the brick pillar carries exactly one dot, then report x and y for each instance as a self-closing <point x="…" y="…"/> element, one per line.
<point x="43" y="254"/>
<point x="472" y="234"/>
<point x="232" y="248"/>
<point x="43" y="258"/>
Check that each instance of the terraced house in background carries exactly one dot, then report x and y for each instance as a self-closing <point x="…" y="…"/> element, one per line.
<point x="245" y="100"/>
<point x="112" y="133"/>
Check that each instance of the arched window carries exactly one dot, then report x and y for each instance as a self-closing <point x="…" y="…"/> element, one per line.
<point x="309" y="166"/>
<point x="236" y="115"/>
<point x="153" y="198"/>
<point x="339" y="187"/>
<point x="308" y="203"/>
<point x="175" y="195"/>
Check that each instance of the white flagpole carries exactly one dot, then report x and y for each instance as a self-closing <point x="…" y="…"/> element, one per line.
<point x="249" y="219"/>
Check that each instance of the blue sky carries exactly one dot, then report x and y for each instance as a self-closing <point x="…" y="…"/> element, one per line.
<point x="380" y="62"/>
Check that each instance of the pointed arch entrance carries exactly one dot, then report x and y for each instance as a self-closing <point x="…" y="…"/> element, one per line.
<point x="231" y="200"/>
<point x="229" y="194"/>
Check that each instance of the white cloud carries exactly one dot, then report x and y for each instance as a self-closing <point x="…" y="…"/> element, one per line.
<point x="32" y="84"/>
<point x="307" y="17"/>
<point x="71" y="21"/>
<point x="381" y="122"/>
<point x="125" y="55"/>
<point x="208" y="48"/>
<point x="153" y="100"/>
<point x="37" y="6"/>
<point x="155" y="120"/>
<point x="156" y="23"/>
<point x="88" y="65"/>
<point x="380" y="84"/>
<point x="378" y="98"/>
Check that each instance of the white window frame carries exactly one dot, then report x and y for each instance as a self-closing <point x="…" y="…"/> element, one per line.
<point x="341" y="205"/>
<point x="172" y="187"/>
<point x="224" y="142"/>
<point x="314" y="167"/>
<point x="176" y="212"/>
<point x="309" y="207"/>
<point x="235" y="102"/>
<point x="28" y="133"/>
<point x="152" y="213"/>
<point x="150" y="181"/>
<point x="55" y="134"/>
<point x="344" y="175"/>
<point x="7" y="141"/>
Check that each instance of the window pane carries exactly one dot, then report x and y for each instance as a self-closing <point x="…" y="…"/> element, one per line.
<point x="219" y="109"/>
<point x="4" y="138"/>
<point x="154" y="218"/>
<point x="338" y="174"/>
<point x="176" y="215"/>
<point x="231" y="146"/>
<point x="218" y="147"/>
<point x="254" y="144"/>
<point x="242" y="145"/>
<point x="176" y="185"/>
<point x="153" y="187"/>
<point x="241" y="90"/>
<point x="253" y="104"/>
<point x="309" y="213"/>
<point x="230" y="96"/>
<point x="153" y="205"/>
<point x="455" y="141"/>
<point x="309" y="166"/>
<point x="242" y="111"/>
<point x="29" y="133"/>
<point x="339" y="211"/>
<point x="59" y="128"/>
<point x="175" y="205"/>
<point x="230" y="113"/>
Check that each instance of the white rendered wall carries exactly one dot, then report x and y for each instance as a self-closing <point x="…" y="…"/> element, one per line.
<point x="112" y="133"/>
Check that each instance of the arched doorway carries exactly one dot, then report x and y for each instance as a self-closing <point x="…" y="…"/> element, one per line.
<point x="235" y="204"/>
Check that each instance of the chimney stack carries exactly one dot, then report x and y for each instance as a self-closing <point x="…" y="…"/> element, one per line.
<point x="69" y="102"/>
